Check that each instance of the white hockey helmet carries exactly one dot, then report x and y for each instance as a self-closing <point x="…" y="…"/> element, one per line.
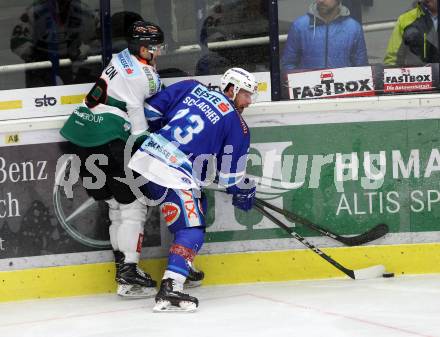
<point x="240" y="79"/>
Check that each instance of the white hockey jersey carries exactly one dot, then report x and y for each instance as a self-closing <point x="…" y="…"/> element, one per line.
<point x="114" y="107"/>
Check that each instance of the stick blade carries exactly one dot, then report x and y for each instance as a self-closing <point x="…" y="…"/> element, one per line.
<point x="373" y="234"/>
<point x="369" y="273"/>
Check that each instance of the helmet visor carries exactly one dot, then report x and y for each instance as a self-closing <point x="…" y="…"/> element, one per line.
<point x="159" y="49"/>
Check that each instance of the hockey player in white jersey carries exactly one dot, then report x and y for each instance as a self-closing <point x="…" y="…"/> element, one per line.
<point x="194" y="125"/>
<point x="111" y="112"/>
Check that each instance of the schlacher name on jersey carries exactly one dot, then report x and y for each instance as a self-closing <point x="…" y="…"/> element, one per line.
<point x="407" y="79"/>
<point x="332" y="83"/>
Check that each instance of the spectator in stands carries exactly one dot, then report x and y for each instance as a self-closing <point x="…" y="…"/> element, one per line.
<point x="231" y="20"/>
<point x="326" y="37"/>
<point x="55" y="30"/>
<point x="414" y="40"/>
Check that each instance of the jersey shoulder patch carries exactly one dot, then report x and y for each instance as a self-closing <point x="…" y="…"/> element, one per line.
<point x="215" y="98"/>
<point x="154" y="83"/>
<point x="127" y="64"/>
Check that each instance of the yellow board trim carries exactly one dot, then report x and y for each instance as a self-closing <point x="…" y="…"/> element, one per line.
<point x="9" y="105"/>
<point x="223" y="269"/>
<point x="72" y="99"/>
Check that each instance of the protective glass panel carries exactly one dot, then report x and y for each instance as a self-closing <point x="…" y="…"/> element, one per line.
<point x="49" y="42"/>
<point x="203" y="37"/>
<point x="343" y="48"/>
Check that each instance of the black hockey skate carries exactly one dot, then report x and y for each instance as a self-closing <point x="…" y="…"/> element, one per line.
<point x="170" y="299"/>
<point x="194" y="278"/>
<point x="119" y="260"/>
<point x="133" y="282"/>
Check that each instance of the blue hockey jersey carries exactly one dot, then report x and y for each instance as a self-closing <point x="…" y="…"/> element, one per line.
<point x="197" y="133"/>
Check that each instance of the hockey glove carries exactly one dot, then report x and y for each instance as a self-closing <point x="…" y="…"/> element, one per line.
<point x="243" y="198"/>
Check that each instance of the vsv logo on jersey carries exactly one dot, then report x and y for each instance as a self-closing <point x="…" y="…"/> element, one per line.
<point x="170" y="212"/>
<point x="215" y="98"/>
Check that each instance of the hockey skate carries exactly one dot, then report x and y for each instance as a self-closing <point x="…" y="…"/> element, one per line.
<point x="194" y="278"/>
<point x="170" y="299"/>
<point x="133" y="282"/>
<point x="119" y="260"/>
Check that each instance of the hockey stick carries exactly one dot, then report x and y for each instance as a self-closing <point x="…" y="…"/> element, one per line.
<point x="358" y="274"/>
<point x="372" y="234"/>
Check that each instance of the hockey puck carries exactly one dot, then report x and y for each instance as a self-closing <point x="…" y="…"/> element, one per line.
<point x="387" y="275"/>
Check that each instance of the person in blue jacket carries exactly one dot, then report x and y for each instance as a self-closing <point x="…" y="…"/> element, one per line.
<point x="198" y="134"/>
<point x="326" y="37"/>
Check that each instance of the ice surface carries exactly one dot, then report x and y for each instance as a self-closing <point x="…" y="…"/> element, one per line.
<point x="400" y="306"/>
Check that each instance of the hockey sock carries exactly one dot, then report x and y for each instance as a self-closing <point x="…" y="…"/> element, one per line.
<point x="115" y="219"/>
<point x="130" y="232"/>
<point x="180" y="279"/>
<point x="187" y="243"/>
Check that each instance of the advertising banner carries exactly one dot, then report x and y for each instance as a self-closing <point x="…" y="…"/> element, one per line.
<point x="346" y="175"/>
<point x="341" y="82"/>
<point x="36" y="216"/>
<point x="41" y="102"/>
<point x="407" y="79"/>
<point x="61" y="100"/>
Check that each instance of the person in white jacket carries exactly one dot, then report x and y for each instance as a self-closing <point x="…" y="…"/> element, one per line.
<point x="113" y="111"/>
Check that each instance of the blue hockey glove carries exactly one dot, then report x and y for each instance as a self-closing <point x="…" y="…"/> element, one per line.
<point x="243" y="196"/>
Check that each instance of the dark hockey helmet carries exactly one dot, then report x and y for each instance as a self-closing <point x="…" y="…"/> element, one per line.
<point x="143" y="33"/>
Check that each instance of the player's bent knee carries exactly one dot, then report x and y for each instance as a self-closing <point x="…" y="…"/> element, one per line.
<point x="192" y="238"/>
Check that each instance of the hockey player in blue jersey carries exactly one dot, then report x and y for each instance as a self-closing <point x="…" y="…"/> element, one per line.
<point x="200" y="135"/>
